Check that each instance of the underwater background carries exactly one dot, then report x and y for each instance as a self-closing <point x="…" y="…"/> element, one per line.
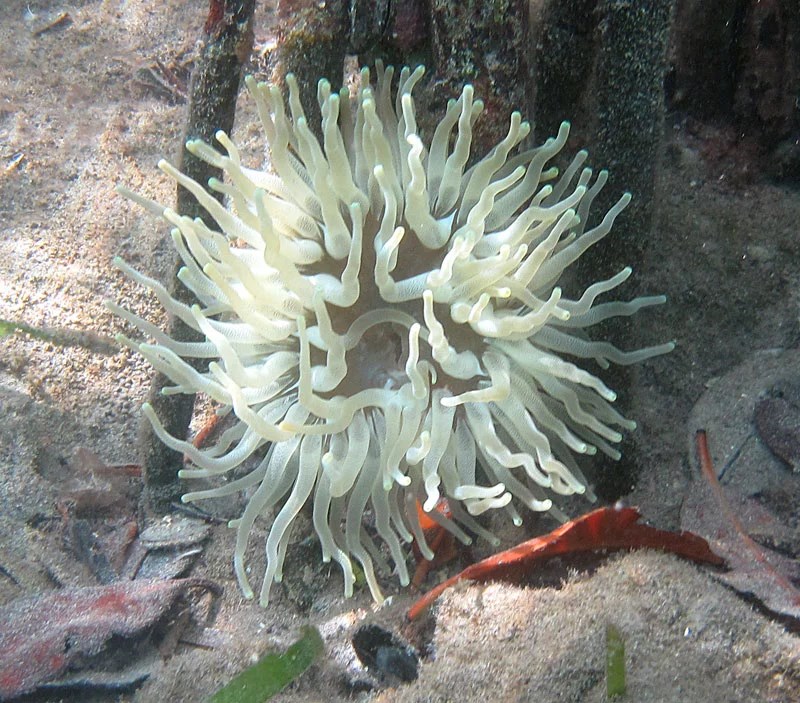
<point x="694" y="107"/>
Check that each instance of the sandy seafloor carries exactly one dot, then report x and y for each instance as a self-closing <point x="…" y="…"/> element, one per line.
<point x="74" y="122"/>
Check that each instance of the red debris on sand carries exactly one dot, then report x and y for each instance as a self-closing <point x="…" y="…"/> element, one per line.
<point x="441" y="542"/>
<point x="44" y="635"/>
<point x="91" y="488"/>
<point x="602" y="529"/>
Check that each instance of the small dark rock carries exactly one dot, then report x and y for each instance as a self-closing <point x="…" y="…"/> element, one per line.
<point x="385" y="654"/>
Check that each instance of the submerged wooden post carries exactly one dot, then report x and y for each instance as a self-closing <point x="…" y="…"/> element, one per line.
<point x="227" y="43"/>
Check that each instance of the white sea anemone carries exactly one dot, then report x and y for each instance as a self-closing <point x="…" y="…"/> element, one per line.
<point x="384" y="322"/>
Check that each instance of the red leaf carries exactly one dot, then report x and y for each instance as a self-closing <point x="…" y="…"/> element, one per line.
<point x="41" y="636"/>
<point x="754" y="569"/>
<point x="601" y="529"/>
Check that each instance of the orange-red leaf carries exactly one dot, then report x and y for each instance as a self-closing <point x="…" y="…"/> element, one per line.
<point x="601" y="529"/>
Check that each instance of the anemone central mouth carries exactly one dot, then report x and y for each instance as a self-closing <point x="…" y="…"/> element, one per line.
<point x="377" y="360"/>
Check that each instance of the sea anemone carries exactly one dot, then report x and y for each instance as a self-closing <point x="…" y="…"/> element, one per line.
<point x="381" y="316"/>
